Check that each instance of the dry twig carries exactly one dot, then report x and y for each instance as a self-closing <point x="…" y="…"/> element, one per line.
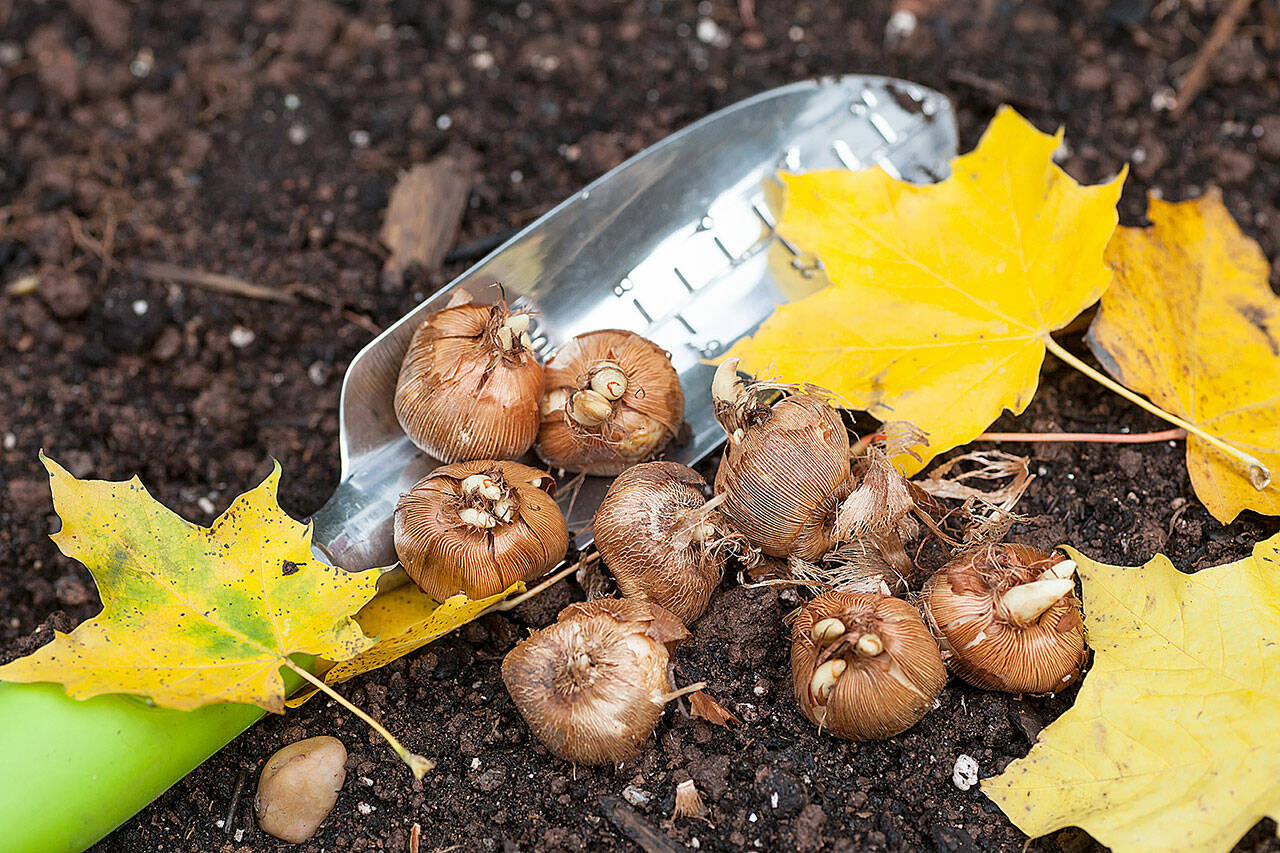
<point x="217" y="282"/>
<point x="1223" y="29"/>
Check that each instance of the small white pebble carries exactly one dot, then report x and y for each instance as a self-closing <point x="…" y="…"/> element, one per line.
<point x="241" y="337"/>
<point x="10" y="441"/>
<point x="475" y="764"/>
<point x="205" y="505"/>
<point x="239" y="835"/>
<point x="140" y="307"/>
<point x="444" y="122"/>
<point x="638" y="797"/>
<point x="318" y="373"/>
<point x="517" y="176"/>
<point x="142" y="63"/>
<point x="773" y="799"/>
<point x="482" y="61"/>
<point x="297" y="134"/>
<point x="1041" y="470"/>
<point x="1071" y="476"/>
<point x="901" y="25"/>
<point x="796" y="33"/>
<point x="1163" y="99"/>
<point x="367" y="781"/>
<point x="292" y="101"/>
<point x="753" y="817"/>
<point x="965" y="774"/>
<point x="359" y="138"/>
<point x="219" y="823"/>
<point x="695" y="843"/>
<point x="709" y="32"/>
<point x="11" y="54"/>
<point x="365" y="808"/>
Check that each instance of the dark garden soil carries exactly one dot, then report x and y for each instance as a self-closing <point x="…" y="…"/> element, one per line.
<point x="261" y="140"/>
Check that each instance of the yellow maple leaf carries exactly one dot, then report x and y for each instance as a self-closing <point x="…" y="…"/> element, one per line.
<point x="1192" y="323"/>
<point x="193" y="615"/>
<point x="404" y="620"/>
<point x="1170" y="744"/>
<point x="943" y="295"/>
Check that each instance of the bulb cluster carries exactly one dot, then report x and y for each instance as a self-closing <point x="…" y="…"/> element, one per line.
<point x="471" y="391"/>
<point x="790" y="487"/>
<point x="865" y="664"/>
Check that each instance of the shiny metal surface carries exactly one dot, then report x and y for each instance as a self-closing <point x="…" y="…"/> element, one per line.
<point x="676" y="244"/>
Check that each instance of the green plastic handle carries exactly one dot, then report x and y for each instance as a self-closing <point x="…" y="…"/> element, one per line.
<point x="71" y="771"/>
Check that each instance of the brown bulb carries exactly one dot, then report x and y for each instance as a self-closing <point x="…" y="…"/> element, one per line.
<point x="658" y="539"/>
<point x="785" y="470"/>
<point x="611" y="399"/>
<point x="478" y="527"/>
<point x="592" y="686"/>
<point x="864" y="665"/>
<point x="469" y="385"/>
<point x="1007" y="618"/>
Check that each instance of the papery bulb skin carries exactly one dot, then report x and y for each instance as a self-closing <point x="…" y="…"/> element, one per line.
<point x="470" y="386"/>
<point x="1007" y="618"/>
<point x="656" y="536"/>
<point x="593" y="685"/>
<point x="785" y="469"/>
<point x="478" y="527"/>
<point x="611" y="399"/>
<point x="864" y="665"/>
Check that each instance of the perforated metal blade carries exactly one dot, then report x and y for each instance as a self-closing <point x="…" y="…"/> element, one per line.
<point x="677" y="244"/>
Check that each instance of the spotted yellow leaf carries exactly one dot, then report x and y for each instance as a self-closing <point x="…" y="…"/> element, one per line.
<point x="193" y="615"/>
<point x="943" y="296"/>
<point x="1192" y="323"/>
<point x="1171" y="743"/>
<point x="404" y="620"/>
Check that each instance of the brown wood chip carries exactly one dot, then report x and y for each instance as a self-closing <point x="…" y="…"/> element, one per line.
<point x="423" y="215"/>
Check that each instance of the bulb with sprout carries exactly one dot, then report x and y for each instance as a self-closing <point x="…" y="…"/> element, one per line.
<point x="863" y="665"/>
<point x="1007" y="618"/>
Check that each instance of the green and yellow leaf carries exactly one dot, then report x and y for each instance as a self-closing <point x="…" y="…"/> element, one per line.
<point x="194" y="615"/>
<point x="1171" y="743"/>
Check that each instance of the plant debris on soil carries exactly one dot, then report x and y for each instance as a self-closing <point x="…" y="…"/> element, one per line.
<point x="261" y="142"/>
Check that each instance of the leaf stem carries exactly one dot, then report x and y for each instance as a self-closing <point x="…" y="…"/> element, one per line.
<point x="1087" y="437"/>
<point x="1259" y="474"/>
<point x="417" y="763"/>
